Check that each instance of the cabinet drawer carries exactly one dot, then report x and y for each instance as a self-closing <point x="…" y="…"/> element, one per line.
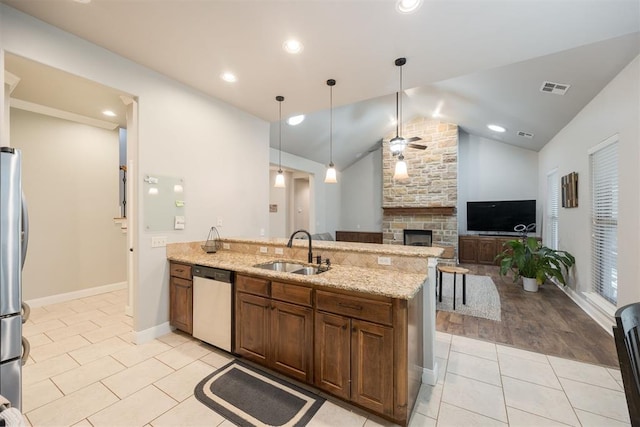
<point x="291" y="293"/>
<point x="361" y="308"/>
<point x="252" y="285"/>
<point x="181" y="270"/>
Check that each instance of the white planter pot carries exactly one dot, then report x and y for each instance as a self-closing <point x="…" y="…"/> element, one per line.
<point x="530" y="285"/>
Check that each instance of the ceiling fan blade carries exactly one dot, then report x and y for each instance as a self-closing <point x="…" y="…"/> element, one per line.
<point x="413" y="139"/>
<point x="418" y="146"/>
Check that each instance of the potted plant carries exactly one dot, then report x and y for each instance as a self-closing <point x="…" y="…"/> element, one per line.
<point x="527" y="258"/>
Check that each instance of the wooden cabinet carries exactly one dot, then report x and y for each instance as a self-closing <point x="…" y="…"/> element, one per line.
<point x="359" y="236"/>
<point x="181" y="297"/>
<point x="467" y="249"/>
<point x="274" y="327"/>
<point x="481" y="249"/>
<point x="354" y="358"/>
<point x="362" y="348"/>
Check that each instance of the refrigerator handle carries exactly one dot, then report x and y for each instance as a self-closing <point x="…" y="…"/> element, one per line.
<point x="26" y="312"/>
<point x="25" y="228"/>
<point x="26" y="349"/>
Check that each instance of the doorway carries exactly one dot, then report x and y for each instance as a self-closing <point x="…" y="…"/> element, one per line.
<point x="73" y="209"/>
<point x="291" y="207"/>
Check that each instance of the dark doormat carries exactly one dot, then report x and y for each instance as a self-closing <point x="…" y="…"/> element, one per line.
<point x="249" y="397"/>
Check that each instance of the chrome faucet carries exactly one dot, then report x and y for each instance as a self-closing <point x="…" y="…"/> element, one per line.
<point x="290" y="243"/>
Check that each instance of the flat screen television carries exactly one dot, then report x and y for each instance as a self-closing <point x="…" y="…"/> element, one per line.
<point x="500" y="216"/>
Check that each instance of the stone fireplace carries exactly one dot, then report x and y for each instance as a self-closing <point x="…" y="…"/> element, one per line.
<point x="427" y="200"/>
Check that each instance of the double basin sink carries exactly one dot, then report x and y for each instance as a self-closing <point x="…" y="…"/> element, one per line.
<point x="292" y="267"/>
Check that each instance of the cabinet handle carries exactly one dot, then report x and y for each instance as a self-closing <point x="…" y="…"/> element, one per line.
<point x="179" y="270"/>
<point x="351" y="306"/>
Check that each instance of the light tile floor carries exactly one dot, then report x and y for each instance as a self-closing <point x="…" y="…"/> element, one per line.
<point x="84" y="370"/>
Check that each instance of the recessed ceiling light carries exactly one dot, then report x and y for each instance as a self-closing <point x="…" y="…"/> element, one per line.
<point x="229" y="77"/>
<point x="82" y="1"/>
<point x="408" y="6"/>
<point x="293" y="46"/>
<point x="109" y="113"/>
<point x="295" y="120"/>
<point x="496" y="128"/>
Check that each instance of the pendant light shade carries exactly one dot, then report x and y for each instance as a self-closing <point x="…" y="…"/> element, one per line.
<point x="401" y="169"/>
<point x="280" y="177"/>
<point x="331" y="177"/>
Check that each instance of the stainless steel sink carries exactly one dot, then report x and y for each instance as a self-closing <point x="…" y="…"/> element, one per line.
<point x="291" y="267"/>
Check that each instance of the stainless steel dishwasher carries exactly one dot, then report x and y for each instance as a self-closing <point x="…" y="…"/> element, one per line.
<point x="212" y="306"/>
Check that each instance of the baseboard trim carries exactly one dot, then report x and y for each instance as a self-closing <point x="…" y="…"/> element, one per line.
<point x="152" y="333"/>
<point x="82" y="293"/>
<point x="598" y="316"/>
<point x="430" y="376"/>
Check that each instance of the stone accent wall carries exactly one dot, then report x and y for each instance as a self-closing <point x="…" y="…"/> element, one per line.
<point x="432" y="182"/>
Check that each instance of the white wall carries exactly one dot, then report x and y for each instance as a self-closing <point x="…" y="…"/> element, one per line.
<point x="324" y="214"/>
<point x="361" y="207"/>
<point x="181" y="133"/>
<point x="614" y="110"/>
<point x="70" y="178"/>
<point x="491" y="170"/>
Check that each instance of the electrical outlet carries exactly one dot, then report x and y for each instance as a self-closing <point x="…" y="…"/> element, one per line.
<point x="279" y="251"/>
<point x="226" y="246"/>
<point x="384" y="260"/>
<point x="263" y="249"/>
<point x="159" y="241"/>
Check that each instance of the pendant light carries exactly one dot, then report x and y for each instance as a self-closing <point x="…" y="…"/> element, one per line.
<point x="331" y="178"/>
<point x="401" y="168"/>
<point x="280" y="177"/>
<point x="398" y="143"/>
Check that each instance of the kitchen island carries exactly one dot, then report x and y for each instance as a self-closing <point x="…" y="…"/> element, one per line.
<point x="363" y="331"/>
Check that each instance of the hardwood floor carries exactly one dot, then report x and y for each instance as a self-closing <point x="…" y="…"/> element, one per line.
<point x="547" y="322"/>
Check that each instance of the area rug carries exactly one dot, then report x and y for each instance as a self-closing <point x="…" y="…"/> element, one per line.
<point x="249" y="397"/>
<point x="483" y="299"/>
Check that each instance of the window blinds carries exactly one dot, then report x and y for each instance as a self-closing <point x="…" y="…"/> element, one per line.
<point x="604" y="220"/>
<point x="553" y="186"/>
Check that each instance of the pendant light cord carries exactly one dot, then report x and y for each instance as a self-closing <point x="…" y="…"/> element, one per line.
<point x="331" y="83"/>
<point x="279" y="99"/>
<point x="399" y="104"/>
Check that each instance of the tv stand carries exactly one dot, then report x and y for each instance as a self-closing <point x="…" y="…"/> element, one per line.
<point x="481" y="249"/>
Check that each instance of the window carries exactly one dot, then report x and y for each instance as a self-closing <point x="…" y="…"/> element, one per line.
<point x="603" y="161"/>
<point x="551" y="230"/>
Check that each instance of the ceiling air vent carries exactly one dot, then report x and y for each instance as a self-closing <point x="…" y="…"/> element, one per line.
<point x="557" y="88"/>
<point x="525" y="134"/>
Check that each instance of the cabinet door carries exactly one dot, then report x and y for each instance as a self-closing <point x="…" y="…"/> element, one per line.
<point x="486" y="251"/>
<point x="468" y="249"/>
<point x="292" y="340"/>
<point x="332" y="359"/>
<point x="252" y="327"/>
<point x="181" y="304"/>
<point x="372" y="366"/>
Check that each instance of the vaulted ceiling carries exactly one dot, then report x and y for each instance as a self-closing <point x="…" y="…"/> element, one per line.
<point x="473" y="61"/>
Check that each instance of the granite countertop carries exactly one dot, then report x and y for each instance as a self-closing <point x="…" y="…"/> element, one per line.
<point x="371" y="248"/>
<point x="368" y="280"/>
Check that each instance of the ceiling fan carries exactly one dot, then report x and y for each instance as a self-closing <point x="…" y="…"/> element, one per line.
<point x="397" y="144"/>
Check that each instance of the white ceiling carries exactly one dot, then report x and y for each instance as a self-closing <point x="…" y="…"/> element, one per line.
<point x="481" y="60"/>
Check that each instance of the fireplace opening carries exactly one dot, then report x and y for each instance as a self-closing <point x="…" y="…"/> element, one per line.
<point x="417" y="237"/>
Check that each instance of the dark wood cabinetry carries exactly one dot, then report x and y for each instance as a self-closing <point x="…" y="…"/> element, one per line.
<point x="359" y="236"/>
<point x="355" y="358"/>
<point x="365" y="349"/>
<point x="181" y="297"/>
<point x="481" y="249"/>
<point x="274" y="327"/>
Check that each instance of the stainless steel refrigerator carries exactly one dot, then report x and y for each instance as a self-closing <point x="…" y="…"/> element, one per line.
<point x="14" y="235"/>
